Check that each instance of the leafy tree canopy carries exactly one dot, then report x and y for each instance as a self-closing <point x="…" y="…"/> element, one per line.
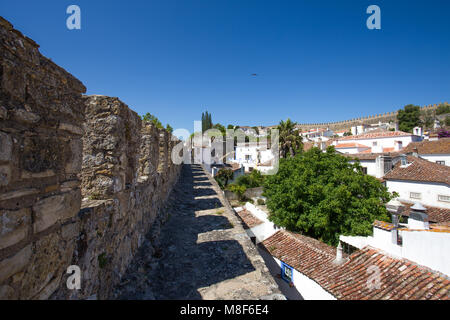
<point x="148" y="117"/>
<point x="253" y="180"/>
<point x="323" y="195"/>
<point x="206" y="121"/>
<point x="408" y="118"/>
<point x="223" y="176"/>
<point x="290" y="140"/>
<point x="169" y="128"/>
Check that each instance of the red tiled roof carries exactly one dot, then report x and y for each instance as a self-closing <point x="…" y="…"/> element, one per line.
<point x="435" y="214"/>
<point x="375" y="135"/>
<point x="400" y="279"/>
<point x="383" y="225"/>
<point x="249" y="219"/>
<point x="441" y="146"/>
<point x="370" y="156"/>
<point x="420" y="170"/>
<point x="350" y="145"/>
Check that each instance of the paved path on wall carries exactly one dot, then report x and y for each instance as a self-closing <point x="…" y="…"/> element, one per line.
<point x="203" y="251"/>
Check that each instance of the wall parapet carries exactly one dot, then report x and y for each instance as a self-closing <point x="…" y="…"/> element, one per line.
<point x="79" y="178"/>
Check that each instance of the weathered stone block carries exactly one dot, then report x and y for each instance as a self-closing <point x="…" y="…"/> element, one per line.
<point x="5" y="175"/>
<point x="7" y="293"/>
<point x="6" y="146"/>
<point x="51" y="257"/>
<point x="14" y="264"/>
<point x="13" y="226"/>
<point x="74" y="160"/>
<point x="3" y="113"/>
<point x="49" y="211"/>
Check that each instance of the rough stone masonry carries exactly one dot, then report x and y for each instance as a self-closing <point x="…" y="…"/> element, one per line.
<point x="83" y="181"/>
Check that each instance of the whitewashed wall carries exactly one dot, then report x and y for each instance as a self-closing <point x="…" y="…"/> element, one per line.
<point x="429" y="191"/>
<point x="386" y="142"/>
<point x="264" y="230"/>
<point x="427" y="248"/>
<point x="437" y="157"/>
<point x="309" y="289"/>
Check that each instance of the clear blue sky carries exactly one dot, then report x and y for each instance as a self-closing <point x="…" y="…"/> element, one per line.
<point x="316" y="60"/>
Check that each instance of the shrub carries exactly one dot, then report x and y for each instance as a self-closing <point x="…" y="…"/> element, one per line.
<point x="238" y="190"/>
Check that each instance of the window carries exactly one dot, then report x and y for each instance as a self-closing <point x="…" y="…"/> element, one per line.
<point x="444" y="198"/>
<point x="364" y="170"/>
<point x="415" y="195"/>
<point x="374" y="144"/>
<point x="286" y="272"/>
<point x="441" y="162"/>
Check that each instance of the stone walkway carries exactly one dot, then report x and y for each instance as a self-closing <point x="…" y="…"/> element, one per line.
<point x="202" y="251"/>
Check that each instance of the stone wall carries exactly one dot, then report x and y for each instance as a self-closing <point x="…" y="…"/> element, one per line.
<point x="41" y="117"/>
<point x="373" y="119"/>
<point x="82" y="179"/>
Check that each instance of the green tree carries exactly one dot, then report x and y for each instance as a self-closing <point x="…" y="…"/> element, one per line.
<point x="230" y="126"/>
<point x="223" y="176"/>
<point x="221" y="128"/>
<point x="346" y="134"/>
<point x="290" y="140"/>
<point x="253" y="180"/>
<point x="408" y="118"/>
<point x="447" y="120"/>
<point x="323" y="195"/>
<point x="206" y="121"/>
<point x="148" y="117"/>
<point x="169" y="128"/>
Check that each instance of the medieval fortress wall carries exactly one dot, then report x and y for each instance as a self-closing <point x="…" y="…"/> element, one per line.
<point x="374" y="119"/>
<point x="82" y="178"/>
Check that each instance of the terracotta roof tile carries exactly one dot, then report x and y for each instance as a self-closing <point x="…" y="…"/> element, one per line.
<point x="379" y="134"/>
<point x="383" y="225"/>
<point x="350" y="145"/>
<point x="249" y="219"/>
<point x="400" y="279"/>
<point x="420" y="170"/>
<point x="435" y="214"/>
<point x="441" y="146"/>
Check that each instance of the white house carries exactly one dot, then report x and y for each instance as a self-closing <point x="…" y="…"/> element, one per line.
<point x="437" y="151"/>
<point x="417" y="240"/>
<point x="318" y="133"/>
<point x="322" y="272"/>
<point x="249" y="155"/>
<point x="375" y="142"/>
<point x="420" y="180"/>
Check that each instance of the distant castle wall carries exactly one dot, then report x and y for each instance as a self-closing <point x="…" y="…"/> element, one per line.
<point x="347" y="124"/>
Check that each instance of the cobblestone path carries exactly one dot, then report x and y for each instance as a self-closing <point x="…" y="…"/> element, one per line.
<point x="202" y="251"/>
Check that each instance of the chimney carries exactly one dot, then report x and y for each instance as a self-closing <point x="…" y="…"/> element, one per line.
<point x="403" y="161"/>
<point x="395" y="207"/>
<point x="418" y="131"/>
<point x="418" y="217"/>
<point x="383" y="165"/>
<point x="415" y="152"/>
<point x="338" y="259"/>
